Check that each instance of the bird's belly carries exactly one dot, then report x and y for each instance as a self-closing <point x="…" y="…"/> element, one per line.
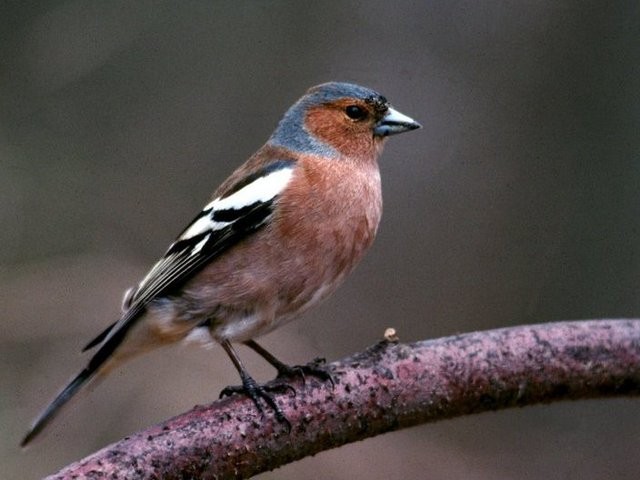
<point x="263" y="286"/>
<point x="255" y="324"/>
<point x="242" y="329"/>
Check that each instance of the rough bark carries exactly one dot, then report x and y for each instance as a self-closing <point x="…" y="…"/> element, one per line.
<point x="387" y="387"/>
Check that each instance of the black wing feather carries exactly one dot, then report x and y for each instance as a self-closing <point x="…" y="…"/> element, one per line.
<point x="175" y="269"/>
<point x="222" y="230"/>
<point x="180" y="262"/>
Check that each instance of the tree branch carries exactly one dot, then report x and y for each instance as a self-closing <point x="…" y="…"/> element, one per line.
<point x="388" y="387"/>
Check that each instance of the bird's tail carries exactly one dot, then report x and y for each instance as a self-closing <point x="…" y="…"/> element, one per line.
<point x="54" y="407"/>
<point x="106" y="358"/>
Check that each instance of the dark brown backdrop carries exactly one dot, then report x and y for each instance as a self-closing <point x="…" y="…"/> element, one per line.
<point x="517" y="203"/>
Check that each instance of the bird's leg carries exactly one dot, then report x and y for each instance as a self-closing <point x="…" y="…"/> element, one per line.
<point x="251" y="388"/>
<point x="316" y="368"/>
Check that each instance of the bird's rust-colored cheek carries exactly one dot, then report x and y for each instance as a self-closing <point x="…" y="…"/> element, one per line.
<point x="331" y="126"/>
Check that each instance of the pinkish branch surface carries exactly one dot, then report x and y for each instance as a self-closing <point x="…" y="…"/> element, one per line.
<point x="387" y="387"/>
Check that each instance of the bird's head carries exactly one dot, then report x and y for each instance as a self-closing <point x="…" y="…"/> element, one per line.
<point x="340" y="119"/>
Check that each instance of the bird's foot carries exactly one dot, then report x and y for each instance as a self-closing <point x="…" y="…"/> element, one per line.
<point x="255" y="392"/>
<point x="316" y="368"/>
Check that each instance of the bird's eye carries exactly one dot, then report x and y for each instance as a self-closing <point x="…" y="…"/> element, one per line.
<point x="355" y="112"/>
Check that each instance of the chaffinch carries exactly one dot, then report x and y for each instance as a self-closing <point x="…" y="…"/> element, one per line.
<point x="279" y="236"/>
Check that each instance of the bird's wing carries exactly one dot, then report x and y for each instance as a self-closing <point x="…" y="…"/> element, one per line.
<point x="240" y="211"/>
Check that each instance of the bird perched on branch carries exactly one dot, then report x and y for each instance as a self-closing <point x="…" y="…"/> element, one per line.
<point x="279" y="236"/>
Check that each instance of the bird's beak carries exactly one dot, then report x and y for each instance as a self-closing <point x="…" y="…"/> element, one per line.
<point x="394" y="122"/>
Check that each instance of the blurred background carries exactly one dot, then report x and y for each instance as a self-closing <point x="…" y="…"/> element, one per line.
<point x="517" y="203"/>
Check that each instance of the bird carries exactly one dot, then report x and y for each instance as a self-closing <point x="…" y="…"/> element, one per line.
<point x="278" y="236"/>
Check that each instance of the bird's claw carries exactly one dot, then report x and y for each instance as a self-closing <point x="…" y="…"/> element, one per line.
<point x="255" y="392"/>
<point x="316" y="368"/>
